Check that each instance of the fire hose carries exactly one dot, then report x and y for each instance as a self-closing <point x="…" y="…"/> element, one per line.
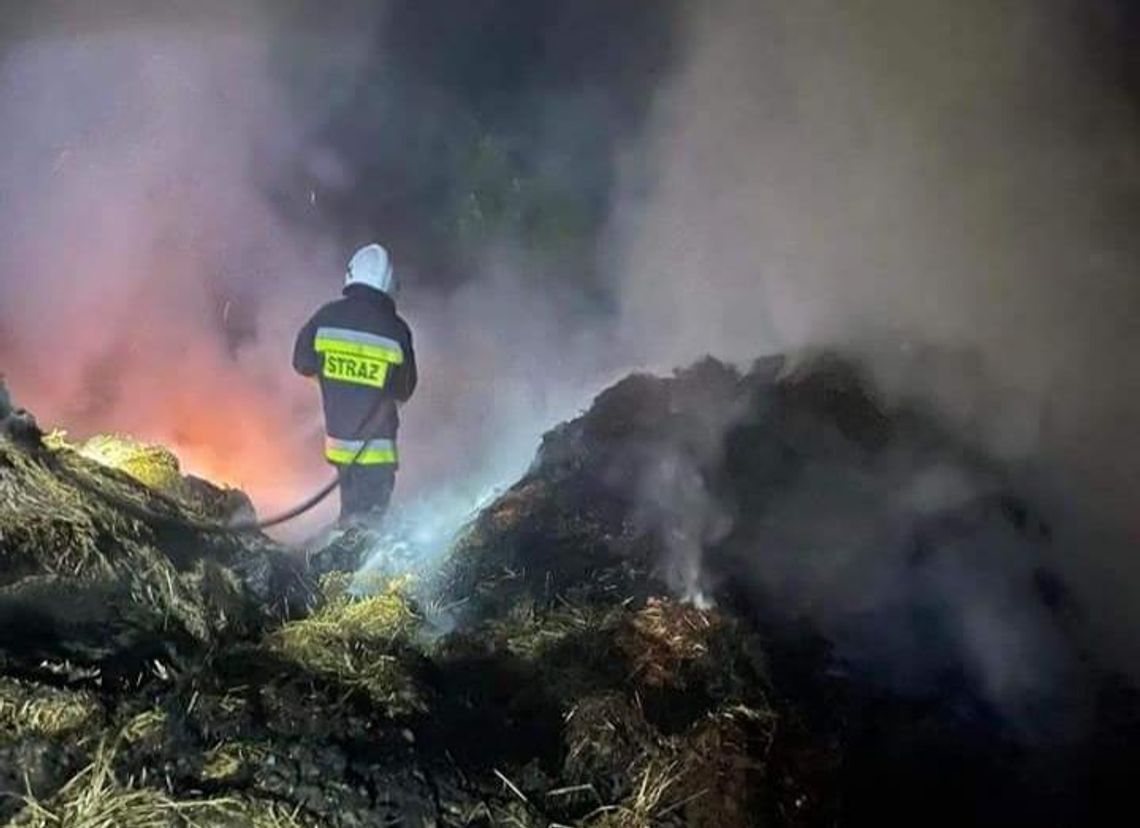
<point x="146" y="514"/>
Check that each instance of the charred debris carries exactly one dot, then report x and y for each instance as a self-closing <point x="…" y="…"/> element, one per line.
<point x="716" y="599"/>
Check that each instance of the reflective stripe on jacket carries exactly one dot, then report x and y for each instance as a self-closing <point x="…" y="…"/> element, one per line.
<point x="361" y="351"/>
<point x="370" y="453"/>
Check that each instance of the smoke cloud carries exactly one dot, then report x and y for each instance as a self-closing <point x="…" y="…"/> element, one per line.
<point x="149" y="287"/>
<point x="950" y="189"/>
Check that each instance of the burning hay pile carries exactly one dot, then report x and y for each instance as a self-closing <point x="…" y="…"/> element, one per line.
<point x="156" y="678"/>
<point x="104" y="589"/>
<point x="90" y="584"/>
<point x="886" y="632"/>
<point x="607" y="659"/>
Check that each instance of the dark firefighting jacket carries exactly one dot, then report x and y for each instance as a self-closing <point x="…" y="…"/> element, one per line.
<point x="361" y="351"/>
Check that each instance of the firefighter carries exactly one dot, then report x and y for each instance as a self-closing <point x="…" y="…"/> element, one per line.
<point x="361" y="351"/>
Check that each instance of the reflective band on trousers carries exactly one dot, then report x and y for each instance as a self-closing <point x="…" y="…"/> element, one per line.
<point x="347" y="452"/>
<point x="357" y="343"/>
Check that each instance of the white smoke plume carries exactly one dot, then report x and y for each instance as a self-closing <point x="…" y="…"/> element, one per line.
<point x="958" y="177"/>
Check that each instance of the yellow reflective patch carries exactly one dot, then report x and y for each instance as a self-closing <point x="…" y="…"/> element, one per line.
<point x="325" y="345"/>
<point x="361" y="370"/>
<point x="369" y="457"/>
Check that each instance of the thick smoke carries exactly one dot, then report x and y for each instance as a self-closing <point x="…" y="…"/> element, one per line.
<point x="950" y="187"/>
<point x="148" y="286"/>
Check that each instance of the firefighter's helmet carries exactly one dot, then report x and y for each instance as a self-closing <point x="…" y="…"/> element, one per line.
<point x="371" y="266"/>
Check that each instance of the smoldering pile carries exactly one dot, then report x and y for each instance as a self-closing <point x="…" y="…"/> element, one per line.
<point x="716" y="599"/>
<point x="897" y="578"/>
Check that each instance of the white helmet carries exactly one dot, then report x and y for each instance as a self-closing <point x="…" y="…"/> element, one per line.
<point x="371" y="266"/>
